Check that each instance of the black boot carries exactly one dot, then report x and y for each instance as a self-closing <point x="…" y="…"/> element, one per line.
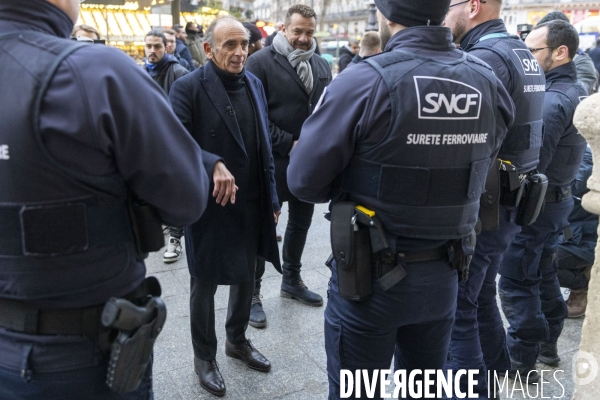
<point x="258" y="318"/>
<point x="548" y="354"/>
<point x="292" y="287"/>
<point x="527" y="373"/>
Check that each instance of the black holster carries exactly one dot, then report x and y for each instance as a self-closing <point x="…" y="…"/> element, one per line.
<point x="461" y="253"/>
<point x="533" y="199"/>
<point x="351" y="245"/>
<point x="137" y="326"/>
<point x="490" y="200"/>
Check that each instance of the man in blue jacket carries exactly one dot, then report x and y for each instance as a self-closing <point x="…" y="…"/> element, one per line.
<point x="181" y="48"/>
<point x="422" y="124"/>
<point x="224" y="109"/>
<point x="531" y="298"/>
<point x="78" y="146"/>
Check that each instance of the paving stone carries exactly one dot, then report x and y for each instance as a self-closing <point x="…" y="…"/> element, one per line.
<point x="169" y="284"/>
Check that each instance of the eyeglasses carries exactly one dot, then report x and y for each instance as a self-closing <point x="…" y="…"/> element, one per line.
<point x="539" y="48"/>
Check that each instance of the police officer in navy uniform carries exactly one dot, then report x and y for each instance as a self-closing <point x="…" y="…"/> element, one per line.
<point x="528" y="286"/>
<point x="423" y="122"/>
<point x="77" y="142"/>
<point x="476" y="26"/>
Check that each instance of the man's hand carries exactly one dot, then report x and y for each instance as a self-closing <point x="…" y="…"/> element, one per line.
<point x="276" y="214"/>
<point x="225" y="187"/>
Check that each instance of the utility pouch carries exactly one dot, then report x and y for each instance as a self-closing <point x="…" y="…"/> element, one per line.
<point x="131" y="351"/>
<point x="351" y="245"/>
<point x="490" y="200"/>
<point x="533" y="200"/>
<point x="147" y="226"/>
<point x="461" y="253"/>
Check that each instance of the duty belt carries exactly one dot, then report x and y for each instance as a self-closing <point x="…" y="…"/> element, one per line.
<point x="382" y="268"/>
<point x="20" y="316"/>
<point x="556" y="194"/>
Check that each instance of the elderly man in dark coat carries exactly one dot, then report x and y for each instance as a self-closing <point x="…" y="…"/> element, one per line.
<point x="294" y="77"/>
<point x="225" y="110"/>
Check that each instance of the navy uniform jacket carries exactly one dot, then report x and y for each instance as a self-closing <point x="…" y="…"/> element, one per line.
<point x="563" y="147"/>
<point x="215" y="243"/>
<point x="104" y="116"/>
<point x="327" y="142"/>
<point x="524" y="82"/>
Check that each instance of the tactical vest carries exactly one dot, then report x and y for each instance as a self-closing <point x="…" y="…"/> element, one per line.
<point x="425" y="177"/>
<point x="524" y="139"/>
<point x="63" y="234"/>
<point x="570" y="149"/>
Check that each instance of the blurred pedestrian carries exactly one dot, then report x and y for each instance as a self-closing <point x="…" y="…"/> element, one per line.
<point x="162" y="67"/>
<point x="194" y="42"/>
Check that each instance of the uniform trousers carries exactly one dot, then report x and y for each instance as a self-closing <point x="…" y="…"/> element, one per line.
<point x="202" y="301"/>
<point x="59" y="367"/>
<point x="529" y="290"/>
<point x="412" y="320"/>
<point x="478" y="336"/>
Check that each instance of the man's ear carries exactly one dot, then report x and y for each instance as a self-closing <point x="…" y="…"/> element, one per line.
<point x="208" y="51"/>
<point x="562" y="53"/>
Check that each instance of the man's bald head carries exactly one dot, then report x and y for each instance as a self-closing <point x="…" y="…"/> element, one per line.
<point x="210" y="32"/>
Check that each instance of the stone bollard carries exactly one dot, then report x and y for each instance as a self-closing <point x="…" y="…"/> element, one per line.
<point x="586" y="374"/>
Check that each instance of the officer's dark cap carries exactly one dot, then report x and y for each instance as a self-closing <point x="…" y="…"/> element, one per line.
<point x="414" y="12"/>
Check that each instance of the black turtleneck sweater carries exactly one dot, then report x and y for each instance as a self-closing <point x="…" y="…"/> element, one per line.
<point x="243" y="106"/>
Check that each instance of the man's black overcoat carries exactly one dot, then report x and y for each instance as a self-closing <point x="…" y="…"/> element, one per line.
<point x="215" y="243"/>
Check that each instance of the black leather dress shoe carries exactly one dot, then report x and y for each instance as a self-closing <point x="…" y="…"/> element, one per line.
<point x="246" y="352"/>
<point x="210" y="376"/>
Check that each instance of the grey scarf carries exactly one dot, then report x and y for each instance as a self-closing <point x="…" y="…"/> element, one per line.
<point x="297" y="58"/>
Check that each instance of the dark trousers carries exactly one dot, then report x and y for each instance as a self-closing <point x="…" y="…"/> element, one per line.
<point x="529" y="290"/>
<point x="478" y="336"/>
<point x="411" y="321"/>
<point x="299" y="220"/>
<point x="58" y="367"/>
<point x="572" y="270"/>
<point x="175" y="232"/>
<point x="202" y="302"/>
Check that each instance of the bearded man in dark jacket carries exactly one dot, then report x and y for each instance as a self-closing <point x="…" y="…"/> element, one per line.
<point x="162" y="67"/>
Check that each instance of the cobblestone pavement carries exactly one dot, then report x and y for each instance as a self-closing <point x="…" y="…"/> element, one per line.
<point x="293" y="340"/>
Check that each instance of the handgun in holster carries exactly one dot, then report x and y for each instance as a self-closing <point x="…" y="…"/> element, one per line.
<point x="461" y="253"/>
<point x="533" y="200"/>
<point x="356" y="236"/>
<point x="137" y="326"/>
